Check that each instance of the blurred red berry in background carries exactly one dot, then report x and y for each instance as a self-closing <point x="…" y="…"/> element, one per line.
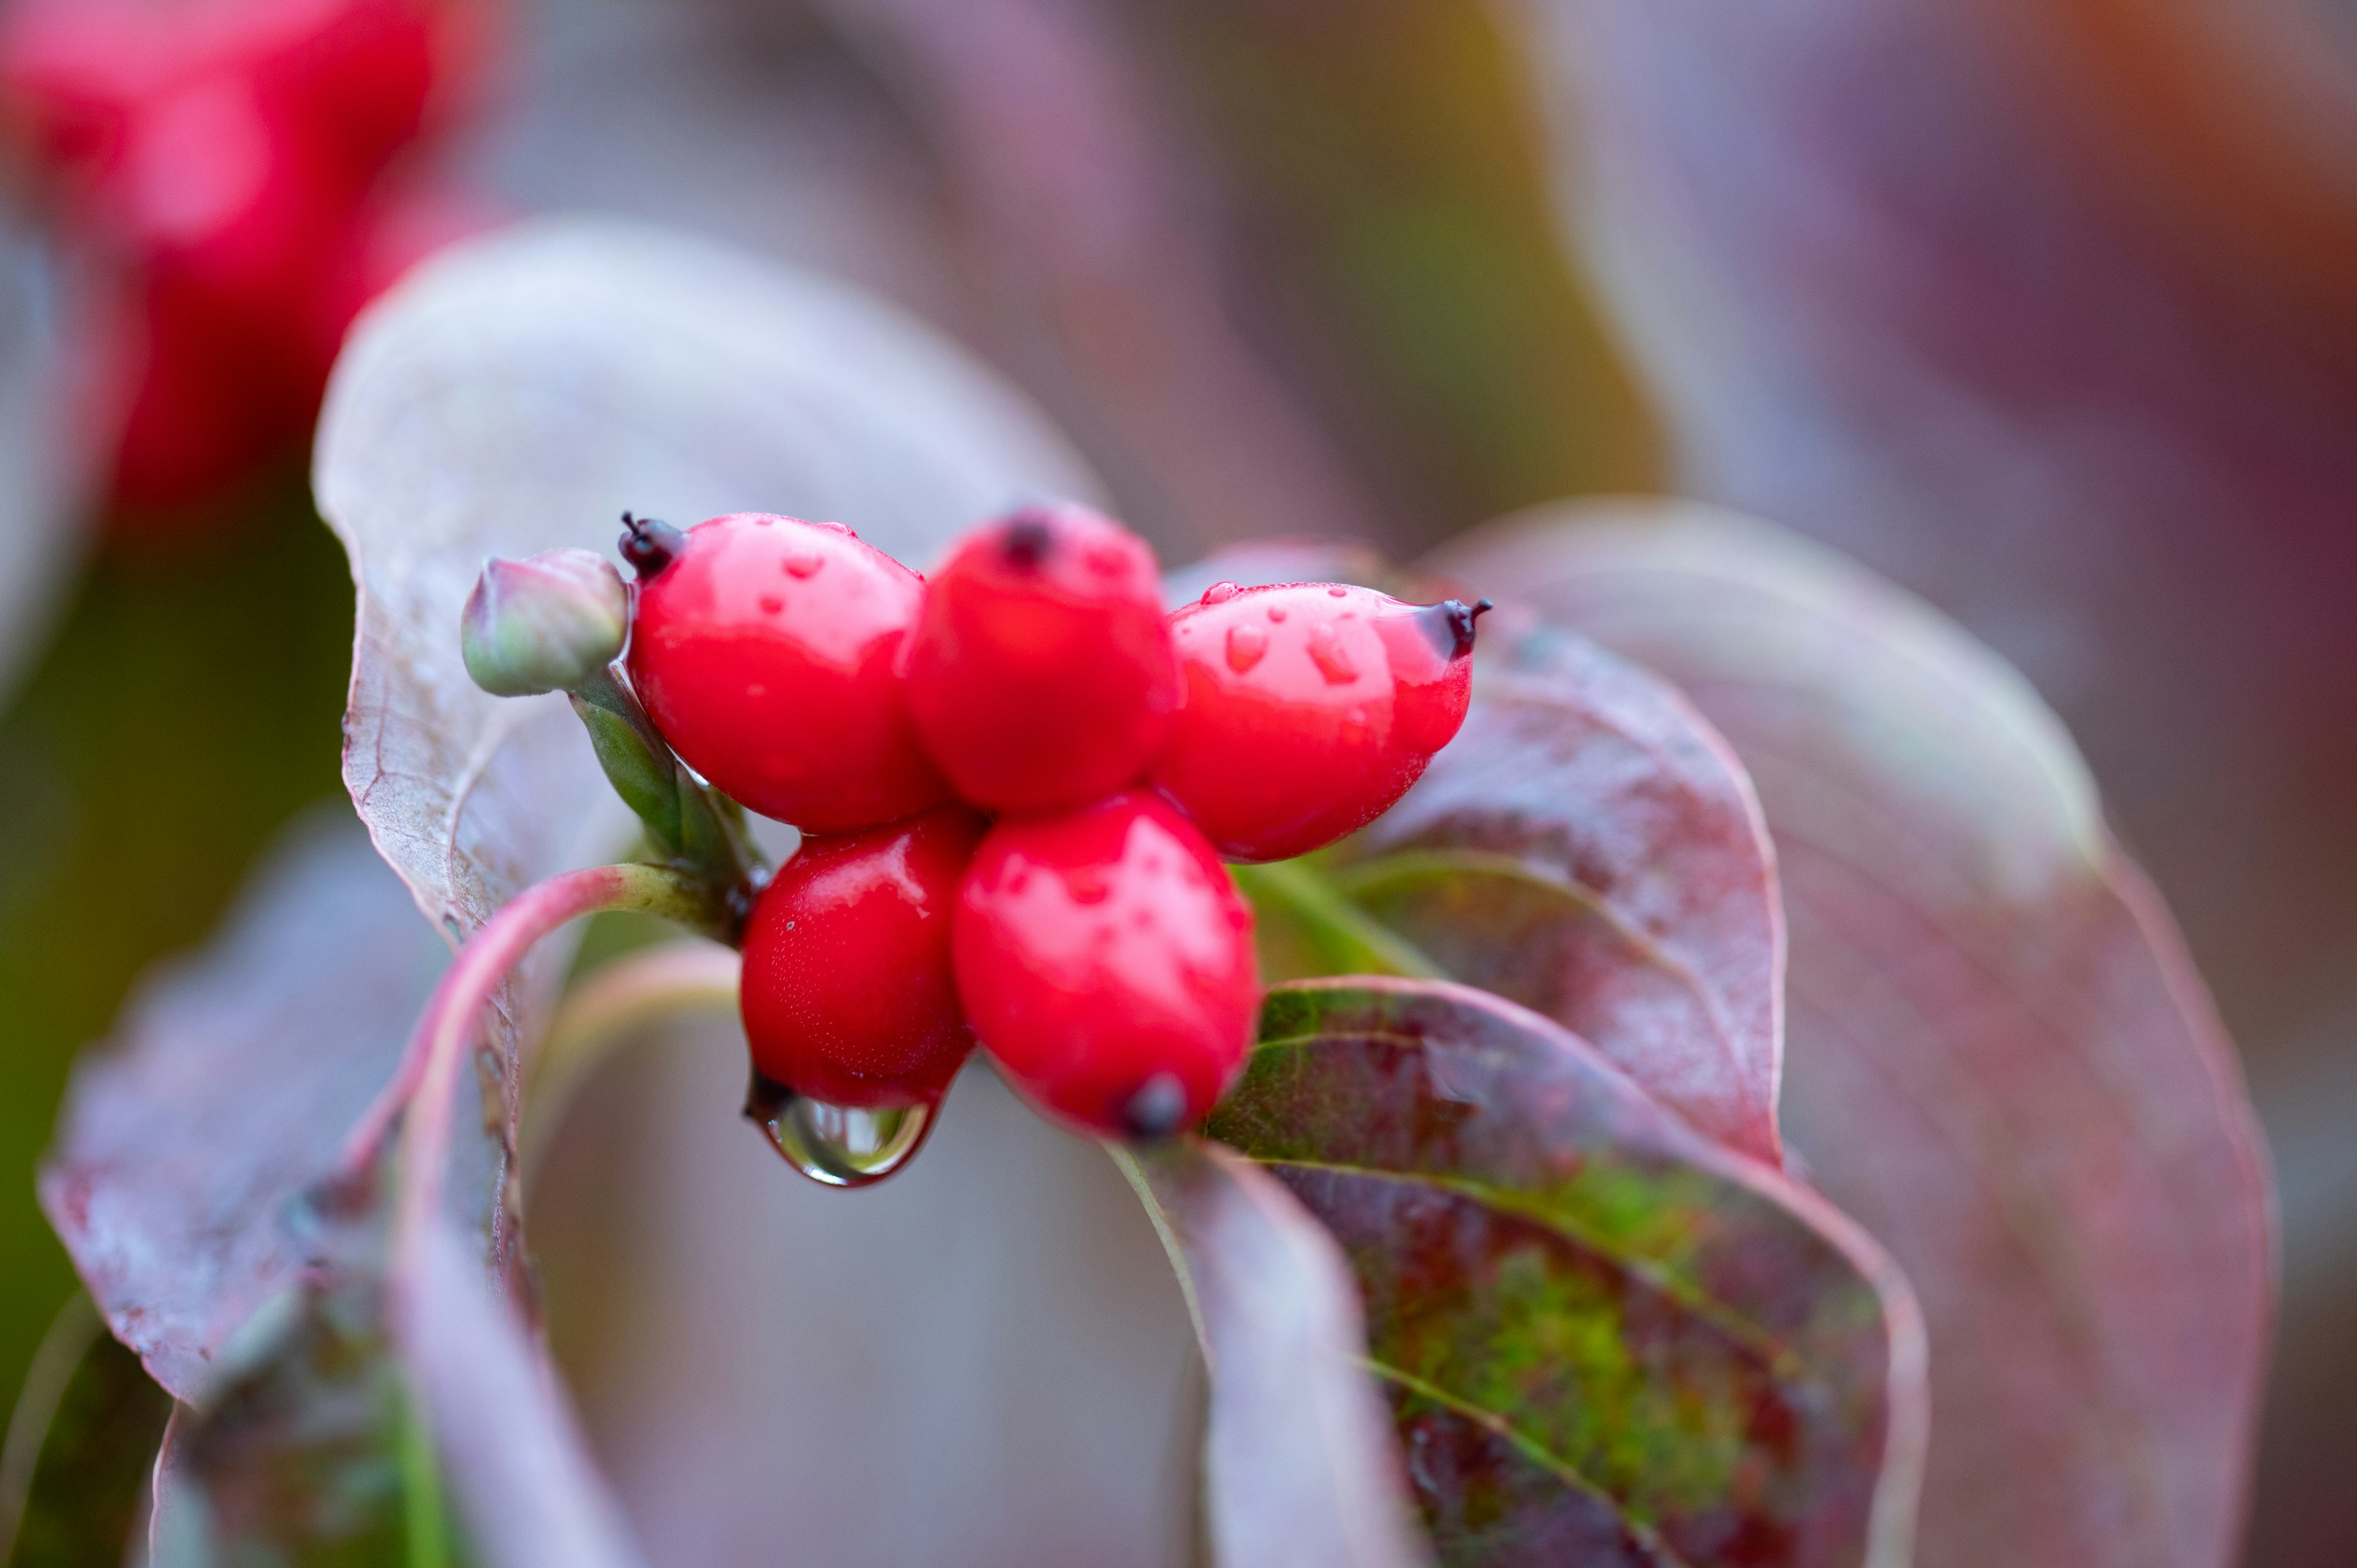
<point x="232" y="177"/>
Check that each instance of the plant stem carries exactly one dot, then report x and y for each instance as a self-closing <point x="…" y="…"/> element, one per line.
<point x="424" y="1520"/>
<point x="439" y="1043"/>
<point x="1348" y="940"/>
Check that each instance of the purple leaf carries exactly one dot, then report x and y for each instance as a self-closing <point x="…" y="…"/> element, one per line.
<point x="2000" y="1059"/>
<point x="1607" y="1338"/>
<point x="225" y="1096"/>
<point x="1301" y="1468"/>
<point x="1588" y="847"/>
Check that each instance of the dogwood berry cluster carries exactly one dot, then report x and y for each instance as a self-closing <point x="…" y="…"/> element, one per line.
<point x="1017" y="782"/>
<point x="224" y="164"/>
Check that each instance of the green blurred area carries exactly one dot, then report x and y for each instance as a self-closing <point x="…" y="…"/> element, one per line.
<point x="1385" y="163"/>
<point x="186" y="705"/>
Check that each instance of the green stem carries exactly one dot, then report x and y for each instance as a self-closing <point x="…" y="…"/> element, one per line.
<point x="423" y="1517"/>
<point x="1346" y="939"/>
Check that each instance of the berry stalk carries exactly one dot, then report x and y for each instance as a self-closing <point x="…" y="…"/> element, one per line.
<point x="421" y="1085"/>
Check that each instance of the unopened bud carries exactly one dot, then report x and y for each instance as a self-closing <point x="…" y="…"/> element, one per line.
<point x="548" y="623"/>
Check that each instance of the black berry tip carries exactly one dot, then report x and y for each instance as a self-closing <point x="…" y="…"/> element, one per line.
<point x="1158" y="1110"/>
<point x="1450" y="624"/>
<point x="649" y="544"/>
<point x="1028" y="540"/>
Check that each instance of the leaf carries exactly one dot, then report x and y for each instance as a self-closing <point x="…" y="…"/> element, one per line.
<point x="225" y="1096"/>
<point x="1588" y="847"/>
<point x="1607" y="1338"/>
<point x="81" y="1443"/>
<point x="1300" y="1460"/>
<point x="295" y="1452"/>
<point x="517" y="393"/>
<point x="2000" y="1061"/>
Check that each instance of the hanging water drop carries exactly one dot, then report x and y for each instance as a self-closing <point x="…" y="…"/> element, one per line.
<point x="837" y="1145"/>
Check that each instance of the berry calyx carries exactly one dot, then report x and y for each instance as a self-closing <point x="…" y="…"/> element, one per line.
<point x="1106" y="962"/>
<point x="849" y="996"/>
<point x="649" y="544"/>
<point x="1040" y="671"/>
<point x="1309" y="709"/>
<point x="764" y="651"/>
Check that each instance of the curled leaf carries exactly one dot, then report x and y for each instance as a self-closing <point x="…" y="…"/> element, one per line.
<point x="1606" y="1338"/>
<point x="1999" y="1058"/>
<point x="1300" y="1460"/>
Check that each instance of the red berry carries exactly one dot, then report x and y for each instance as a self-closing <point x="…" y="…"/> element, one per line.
<point x="1040" y="671"/>
<point x="763" y="648"/>
<point x="848" y="998"/>
<point x="1106" y="962"/>
<point x="1309" y="709"/>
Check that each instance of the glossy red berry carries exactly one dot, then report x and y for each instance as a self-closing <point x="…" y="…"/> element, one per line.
<point x="1106" y="962"/>
<point x="849" y="996"/>
<point x="1040" y="671"/>
<point x="1309" y="710"/>
<point x="763" y="648"/>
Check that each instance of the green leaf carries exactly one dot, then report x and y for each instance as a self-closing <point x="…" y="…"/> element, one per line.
<point x="1606" y="1338"/>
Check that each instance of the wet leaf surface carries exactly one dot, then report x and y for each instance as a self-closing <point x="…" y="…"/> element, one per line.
<point x="1606" y="1338"/>
<point x="1300" y="1460"/>
<point x="188" y="1142"/>
<point x="2000" y="1059"/>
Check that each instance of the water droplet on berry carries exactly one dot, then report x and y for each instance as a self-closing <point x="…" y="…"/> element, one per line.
<point x="837" y="1145"/>
<point x="804" y="564"/>
<point x="1245" y="646"/>
<point x="772" y="604"/>
<point x="1220" y="593"/>
<point x="1333" y="660"/>
<point x="1338" y="591"/>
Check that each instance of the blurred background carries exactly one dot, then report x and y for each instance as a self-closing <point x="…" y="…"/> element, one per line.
<point x="2046" y="308"/>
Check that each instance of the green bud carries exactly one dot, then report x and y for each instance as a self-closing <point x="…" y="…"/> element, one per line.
<point x="549" y="623"/>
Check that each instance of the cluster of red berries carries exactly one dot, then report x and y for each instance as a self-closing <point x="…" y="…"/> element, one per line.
<point x="224" y="164"/>
<point x="1017" y="781"/>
